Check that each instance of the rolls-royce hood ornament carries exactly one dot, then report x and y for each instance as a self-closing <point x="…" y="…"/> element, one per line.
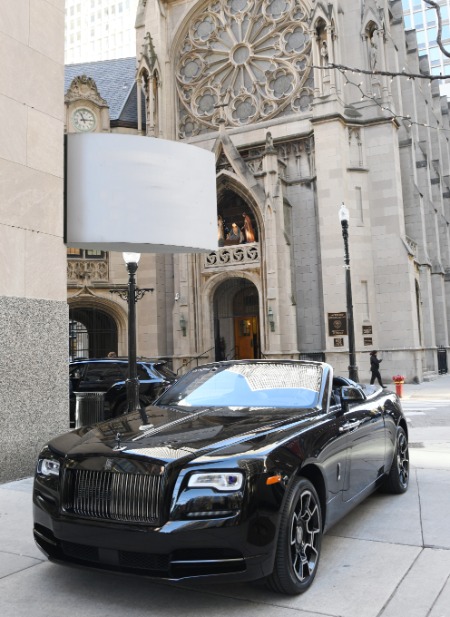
<point x="118" y="447"/>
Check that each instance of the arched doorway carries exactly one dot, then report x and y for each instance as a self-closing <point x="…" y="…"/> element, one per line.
<point x="92" y="333"/>
<point x="236" y="320"/>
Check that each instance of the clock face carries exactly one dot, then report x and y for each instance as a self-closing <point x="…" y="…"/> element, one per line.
<point x="83" y="119"/>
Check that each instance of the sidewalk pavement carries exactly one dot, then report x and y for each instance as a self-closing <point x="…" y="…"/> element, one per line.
<point x="437" y="389"/>
<point x="389" y="558"/>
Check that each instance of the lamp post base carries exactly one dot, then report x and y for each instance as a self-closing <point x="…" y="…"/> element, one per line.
<point x="353" y="373"/>
<point x="134" y="404"/>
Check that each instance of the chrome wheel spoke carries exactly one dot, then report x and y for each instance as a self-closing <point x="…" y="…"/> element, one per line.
<point x="294" y="529"/>
<point x="301" y="566"/>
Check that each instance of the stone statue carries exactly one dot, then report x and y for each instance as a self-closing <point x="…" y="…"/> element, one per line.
<point x="324" y="53"/>
<point x="220" y="231"/>
<point x="373" y="55"/>
<point x="249" y="233"/>
<point x="269" y="142"/>
<point x="235" y="236"/>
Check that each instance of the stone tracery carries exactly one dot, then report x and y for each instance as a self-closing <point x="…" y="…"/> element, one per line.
<point x="249" y="54"/>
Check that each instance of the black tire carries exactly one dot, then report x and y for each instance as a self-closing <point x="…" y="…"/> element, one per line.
<point x="398" y="478"/>
<point x="299" y="541"/>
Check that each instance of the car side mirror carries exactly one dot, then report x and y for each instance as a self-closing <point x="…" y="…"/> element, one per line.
<point x="351" y="394"/>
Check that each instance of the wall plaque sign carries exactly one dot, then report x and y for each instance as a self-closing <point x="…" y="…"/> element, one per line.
<point x="337" y="324"/>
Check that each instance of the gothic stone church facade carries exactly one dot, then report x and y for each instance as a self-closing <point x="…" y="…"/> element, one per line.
<point x="294" y="138"/>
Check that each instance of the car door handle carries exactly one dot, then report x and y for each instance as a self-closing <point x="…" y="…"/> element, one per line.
<point x="349" y="426"/>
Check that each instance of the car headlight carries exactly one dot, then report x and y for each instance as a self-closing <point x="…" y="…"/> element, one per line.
<point x="48" y="467"/>
<point x="221" y="481"/>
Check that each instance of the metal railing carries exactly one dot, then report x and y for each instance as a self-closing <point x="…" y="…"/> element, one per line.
<point x="188" y="361"/>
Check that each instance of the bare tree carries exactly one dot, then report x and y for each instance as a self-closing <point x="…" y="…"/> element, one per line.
<point x="437" y="8"/>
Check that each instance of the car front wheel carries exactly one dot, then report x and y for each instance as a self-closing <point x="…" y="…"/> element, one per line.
<point x="299" y="541"/>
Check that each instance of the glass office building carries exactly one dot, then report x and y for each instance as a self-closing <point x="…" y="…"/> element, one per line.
<point x="421" y="17"/>
<point x="99" y="30"/>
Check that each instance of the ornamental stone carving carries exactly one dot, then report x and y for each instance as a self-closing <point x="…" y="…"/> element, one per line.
<point x="83" y="87"/>
<point x="239" y="255"/>
<point x="243" y="61"/>
<point x="94" y="270"/>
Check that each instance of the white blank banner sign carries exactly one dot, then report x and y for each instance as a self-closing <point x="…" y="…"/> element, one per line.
<point x="140" y="194"/>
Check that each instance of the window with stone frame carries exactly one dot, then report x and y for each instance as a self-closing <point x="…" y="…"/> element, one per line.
<point x="73" y="253"/>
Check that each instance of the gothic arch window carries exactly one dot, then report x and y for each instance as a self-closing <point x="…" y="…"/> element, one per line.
<point x="419" y="311"/>
<point x="155" y="95"/>
<point x="143" y="86"/>
<point x="150" y="86"/>
<point x="250" y="55"/>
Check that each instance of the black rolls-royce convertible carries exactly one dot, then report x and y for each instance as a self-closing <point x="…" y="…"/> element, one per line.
<point x="234" y="473"/>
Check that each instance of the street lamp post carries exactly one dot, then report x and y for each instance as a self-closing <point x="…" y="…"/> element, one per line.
<point x="132" y="295"/>
<point x="352" y="369"/>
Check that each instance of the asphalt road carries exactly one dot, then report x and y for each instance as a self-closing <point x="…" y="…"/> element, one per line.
<point x="423" y="413"/>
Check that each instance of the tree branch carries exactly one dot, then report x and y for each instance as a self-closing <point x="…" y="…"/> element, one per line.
<point x="437" y="8"/>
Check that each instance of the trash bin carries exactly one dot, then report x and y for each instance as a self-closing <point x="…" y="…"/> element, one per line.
<point x="89" y="408"/>
<point x="442" y="360"/>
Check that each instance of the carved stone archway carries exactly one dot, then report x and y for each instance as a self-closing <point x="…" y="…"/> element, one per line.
<point x="236" y="320"/>
<point x="104" y="323"/>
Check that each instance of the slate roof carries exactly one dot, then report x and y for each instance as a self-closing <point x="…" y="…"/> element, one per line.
<point x="115" y="80"/>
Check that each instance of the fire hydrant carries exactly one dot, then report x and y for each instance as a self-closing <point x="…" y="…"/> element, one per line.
<point x="399" y="380"/>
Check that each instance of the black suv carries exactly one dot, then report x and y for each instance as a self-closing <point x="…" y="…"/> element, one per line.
<point x="109" y="375"/>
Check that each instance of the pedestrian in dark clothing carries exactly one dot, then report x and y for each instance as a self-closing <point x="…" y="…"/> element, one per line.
<point x="375" y="368"/>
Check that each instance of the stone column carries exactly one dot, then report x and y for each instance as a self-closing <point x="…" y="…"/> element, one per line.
<point x="139" y="102"/>
<point x="278" y="309"/>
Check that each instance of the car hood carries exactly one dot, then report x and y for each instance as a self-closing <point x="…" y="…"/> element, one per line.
<point x="171" y="434"/>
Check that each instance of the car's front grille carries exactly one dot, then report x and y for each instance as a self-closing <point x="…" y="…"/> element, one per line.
<point x="111" y="495"/>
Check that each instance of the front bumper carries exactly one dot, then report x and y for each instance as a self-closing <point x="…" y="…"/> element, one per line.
<point x="178" y="550"/>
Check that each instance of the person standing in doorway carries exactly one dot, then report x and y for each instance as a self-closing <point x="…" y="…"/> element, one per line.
<point x="375" y="368"/>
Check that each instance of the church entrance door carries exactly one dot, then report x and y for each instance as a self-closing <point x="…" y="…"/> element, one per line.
<point x="246" y="337"/>
<point x="236" y="320"/>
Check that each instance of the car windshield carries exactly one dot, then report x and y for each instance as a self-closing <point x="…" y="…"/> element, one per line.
<point x="247" y="385"/>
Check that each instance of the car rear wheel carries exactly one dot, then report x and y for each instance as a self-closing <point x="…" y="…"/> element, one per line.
<point x="398" y="479"/>
<point x="299" y="541"/>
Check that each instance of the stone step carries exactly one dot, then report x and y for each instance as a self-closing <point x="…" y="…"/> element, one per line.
<point x="430" y="375"/>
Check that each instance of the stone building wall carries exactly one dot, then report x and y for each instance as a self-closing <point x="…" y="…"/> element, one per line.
<point x="377" y="144"/>
<point x="344" y="139"/>
<point x="33" y="309"/>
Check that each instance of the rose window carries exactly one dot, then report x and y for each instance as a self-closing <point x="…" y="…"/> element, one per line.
<point x="243" y="61"/>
